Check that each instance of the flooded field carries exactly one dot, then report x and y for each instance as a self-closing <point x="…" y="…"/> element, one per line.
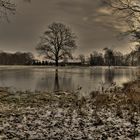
<point x="64" y="78"/>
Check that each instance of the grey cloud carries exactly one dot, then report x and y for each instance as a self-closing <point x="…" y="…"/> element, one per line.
<point x="32" y="19"/>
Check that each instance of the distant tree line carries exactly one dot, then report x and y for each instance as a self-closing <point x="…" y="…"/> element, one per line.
<point x="107" y="58"/>
<point x="17" y="58"/>
<point x="115" y="58"/>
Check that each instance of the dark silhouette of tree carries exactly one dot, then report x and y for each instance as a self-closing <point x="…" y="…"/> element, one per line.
<point x="133" y="58"/>
<point x="130" y="58"/>
<point x="82" y="58"/>
<point x="118" y="58"/>
<point x="57" y="42"/>
<point x="91" y="60"/>
<point x="109" y="57"/>
<point x="96" y="59"/>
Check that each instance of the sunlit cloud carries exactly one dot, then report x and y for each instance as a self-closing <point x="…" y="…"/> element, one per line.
<point x="104" y="11"/>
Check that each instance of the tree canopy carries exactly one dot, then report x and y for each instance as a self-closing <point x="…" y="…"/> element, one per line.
<point x="57" y="42"/>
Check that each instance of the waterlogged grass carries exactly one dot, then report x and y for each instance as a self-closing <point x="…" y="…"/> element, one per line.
<point x="27" y="98"/>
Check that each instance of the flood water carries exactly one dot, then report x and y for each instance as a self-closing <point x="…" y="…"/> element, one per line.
<point x="65" y="78"/>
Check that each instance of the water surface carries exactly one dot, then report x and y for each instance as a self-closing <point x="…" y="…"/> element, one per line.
<point x="65" y="78"/>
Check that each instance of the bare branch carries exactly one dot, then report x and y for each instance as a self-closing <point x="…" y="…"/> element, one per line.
<point x="57" y="42"/>
<point x="6" y="8"/>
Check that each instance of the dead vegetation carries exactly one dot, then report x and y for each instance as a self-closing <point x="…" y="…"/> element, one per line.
<point x="27" y="115"/>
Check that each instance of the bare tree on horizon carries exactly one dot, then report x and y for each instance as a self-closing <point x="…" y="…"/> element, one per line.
<point x="57" y="42"/>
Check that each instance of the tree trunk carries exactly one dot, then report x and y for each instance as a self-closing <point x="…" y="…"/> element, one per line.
<point x="56" y="62"/>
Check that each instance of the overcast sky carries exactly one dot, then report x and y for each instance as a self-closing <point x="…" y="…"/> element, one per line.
<point x="90" y="21"/>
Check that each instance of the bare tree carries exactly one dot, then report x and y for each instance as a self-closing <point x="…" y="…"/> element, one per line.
<point x="7" y="7"/>
<point x="57" y="42"/>
<point x="128" y="11"/>
<point x="109" y="57"/>
<point x="134" y="56"/>
<point x="82" y="58"/>
<point x="129" y="8"/>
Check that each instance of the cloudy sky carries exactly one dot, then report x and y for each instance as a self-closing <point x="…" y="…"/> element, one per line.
<point x="91" y="22"/>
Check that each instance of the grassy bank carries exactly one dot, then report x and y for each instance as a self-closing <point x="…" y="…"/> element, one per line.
<point x="111" y="115"/>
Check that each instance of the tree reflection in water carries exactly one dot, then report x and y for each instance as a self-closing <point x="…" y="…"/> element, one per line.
<point x="109" y="76"/>
<point x="66" y="79"/>
<point x="56" y="81"/>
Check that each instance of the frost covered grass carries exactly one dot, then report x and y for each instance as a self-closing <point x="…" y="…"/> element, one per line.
<point x="66" y="116"/>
